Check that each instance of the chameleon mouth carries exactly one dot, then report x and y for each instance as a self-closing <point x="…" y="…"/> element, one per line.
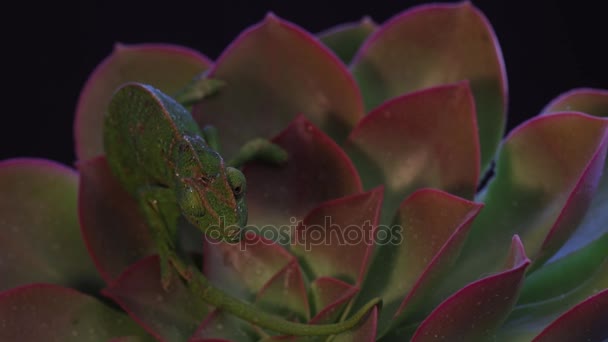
<point x="233" y="234"/>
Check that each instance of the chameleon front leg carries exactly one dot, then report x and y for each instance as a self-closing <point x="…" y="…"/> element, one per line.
<point x="259" y="150"/>
<point x="161" y="212"/>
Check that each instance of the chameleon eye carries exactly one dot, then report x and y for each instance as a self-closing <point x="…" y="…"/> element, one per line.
<point x="237" y="182"/>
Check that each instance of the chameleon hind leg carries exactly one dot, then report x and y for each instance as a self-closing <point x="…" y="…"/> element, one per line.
<point x="254" y="150"/>
<point x="161" y="211"/>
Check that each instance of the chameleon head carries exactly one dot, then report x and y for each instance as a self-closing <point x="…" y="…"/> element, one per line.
<point x="211" y="196"/>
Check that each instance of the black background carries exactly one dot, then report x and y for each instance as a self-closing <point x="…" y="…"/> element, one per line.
<point x="50" y="49"/>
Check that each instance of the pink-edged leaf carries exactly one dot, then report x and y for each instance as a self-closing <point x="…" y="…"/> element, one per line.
<point x="242" y="269"/>
<point x="114" y="229"/>
<point x="273" y="71"/>
<point x="317" y="170"/>
<point x="477" y="310"/>
<point x="436" y="44"/>
<point x="336" y="239"/>
<point x="39" y="235"/>
<point x="44" y="312"/>
<point x="587" y="100"/>
<point x="424" y="139"/>
<point x="365" y="332"/>
<point x="547" y="172"/>
<point x="555" y="288"/>
<point x="219" y="326"/>
<point x="164" y="66"/>
<point x="169" y="315"/>
<point x="330" y="297"/>
<point x="127" y="339"/>
<point x="584" y="322"/>
<point x="285" y="294"/>
<point x="595" y="223"/>
<point x="424" y="241"/>
<point x="344" y="40"/>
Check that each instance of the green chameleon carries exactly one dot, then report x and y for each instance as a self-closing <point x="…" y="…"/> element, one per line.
<point x="157" y="152"/>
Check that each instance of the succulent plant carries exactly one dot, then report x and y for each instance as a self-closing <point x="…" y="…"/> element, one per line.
<point x="389" y="131"/>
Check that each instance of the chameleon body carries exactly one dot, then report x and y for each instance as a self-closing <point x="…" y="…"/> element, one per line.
<point x="157" y="152"/>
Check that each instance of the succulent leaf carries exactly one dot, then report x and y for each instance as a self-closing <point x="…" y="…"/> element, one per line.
<point x="106" y="211"/>
<point x="538" y="192"/>
<point x="317" y="170"/>
<point x="330" y="297"/>
<point x="344" y="40"/>
<point x="437" y="44"/>
<point x="285" y="294"/>
<point x="273" y="71"/>
<point x="587" y="100"/>
<point x="410" y="143"/>
<point x="432" y="226"/>
<point x="336" y="238"/>
<point x="243" y="269"/>
<point x="172" y="315"/>
<point x="584" y="322"/>
<point x="595" y="222"/>
<point x="477" y="310"/>
<point x="366" y="332"/>
<point x="45" y="312"/>
<point x="219" y="327"/>
<point x="40" y="239"/>
<point x="164" y="66"/>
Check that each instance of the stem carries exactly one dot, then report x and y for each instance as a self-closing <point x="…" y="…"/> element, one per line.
<point x="250" y="313"/>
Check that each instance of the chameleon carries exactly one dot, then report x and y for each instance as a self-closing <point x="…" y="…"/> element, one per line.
<point x="158" y="154"/>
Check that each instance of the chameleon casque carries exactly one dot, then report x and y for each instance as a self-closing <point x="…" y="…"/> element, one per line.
<point x="171" y="168"/>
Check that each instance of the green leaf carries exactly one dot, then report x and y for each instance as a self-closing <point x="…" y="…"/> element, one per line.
<point x="40" y="237"/>
<point x="477" y="310"/>
<point x="170" y="315"/>
<point x="411" y="142"/>
<point x="426" y="237"/>
<point x="547" y="173"/>
<point x="344" y="40"/>
<point x="223" y="327"/>
<point x="107" y="211"/>
<point x="336" y="239"/>
<point x="272" y="72"/>
<point x="317" y="170"/>
<point x="329" y="298"/>
<point x="595" y="223"/>
<point x="366" y="332"/>
<point x="584" y="322"/>
<point x="44" y="312"/>
<point x="436" y="44"/>
<point x="166" y="67"/>
<point x="586" y="100"/>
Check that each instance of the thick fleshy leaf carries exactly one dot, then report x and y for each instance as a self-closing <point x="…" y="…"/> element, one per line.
<point x="166" y="67"/>
<point x="107" y="211"/>
<point x="584" y="322"/>
<point x="474" y="312"/>
<point x="547" y="172"/>
<point x="344" y="40"/>
<point x="336" y="239"/>
<point x="366" y="332"/>
<point x="595" y="223"/>
<point x="426" y="236"/>
<point x="285" y="294"/>
<point x="171" y="315"/>
<point x="44" y="312"/>
<point x="530" y="317"/>
<point x="586" y="100"/>
<point x="330" y="296"/>
<point x="411" y="142"/>
<point x="242" y="269"/>
<point x="219" y="327"/>
<point x="436" y="44"/>
<point x="317" y="170"/>
<point x="274" y="71"/>
<point x="39" y="235"/>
